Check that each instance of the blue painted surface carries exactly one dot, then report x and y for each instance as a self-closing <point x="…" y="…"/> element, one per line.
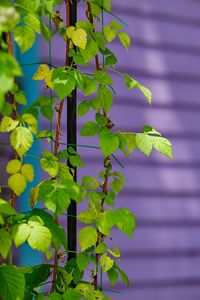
<point x="28" y="256"/>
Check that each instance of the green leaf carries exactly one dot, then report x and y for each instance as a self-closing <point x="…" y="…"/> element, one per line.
<point x="79" y="78"/>
<point x="106" y="262"/>
<point x="46" y="32"/>
<point x="115" y="25"/>
<point x="83" y="108"/>
<point x="144" y="143"/>
<point x="12" y="283"/>
<point x="86" y="25"/>
<point x="123" y="276"/>
<point x="105" y="97"/>
<point x="125" y="221"/>
<point x="101" y="248"/>
<point x="64" y="171"/>
<point x="115" y="252"/>
<point x="147" y="93"/>
<point x="7" y="109"/>
<point x="20" y="98"/>
<point x="28" y="172"/>
<point x="20" y="233"/>
<point x="124" y="39"/>
<point x="106" y="221"/>
<point x="21" y="140"/>
<point x="31" y="6"/>
<point x="24" y="36"/>
<point x="56" y="196"/>
<point x="99" y="38"/>
<point x="109" y="142"/>
<point x="57" y="231"/>
<point x="83" y="260"/>
<point x="5" y="243"/>
<point x="101" y="120"/>
<point x="110" y="60"/>
<point x="127" y="142"/>
<point x="63" y="83"/>
<point x="109" y="33"/>
<point x="102" y="77"/>
<point x="55" y="296"/>
<point x="89" y="129"/>
<point x="17" y="183"/>
<point x="47" y="112"/>
<point x="40" y="236"/>
<point x="6" y="208"/>
<point x="89" y="86"/>
<point x="8" y="124"/>
<point x="72" y="294"/>
<point x="49" y="163"/>
<point x="112" y="275"/>
<point x="90" y="50"/>
<point x="36" y="275"/>
<point x="87" y="237"/>
<point x="129" y="81"/>
<point x="87" y="216"/>
<point x="116" y="186"/>
<point x="162" y="145"/>
<point x="76" y="161"/>
<point x="13" y="166"/>
<point x="89" y="182"/>
<point x="33" y="22"/>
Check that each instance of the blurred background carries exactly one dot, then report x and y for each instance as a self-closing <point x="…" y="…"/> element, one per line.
<point x="163" y="258"/>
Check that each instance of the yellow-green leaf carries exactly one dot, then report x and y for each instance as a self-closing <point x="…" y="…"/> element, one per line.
<point x="17" y="183"/>
<point x="8" y="124"/>
<point x="21" y="139"/>
<point x="13" y="166"/>
<point x="28" y="172"/>
<point x="44" y="73"/>
<point x="79" y="38"/>
<point x="20" y="233"/>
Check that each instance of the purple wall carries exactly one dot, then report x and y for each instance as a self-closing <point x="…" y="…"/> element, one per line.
<point x="163" y="258"/>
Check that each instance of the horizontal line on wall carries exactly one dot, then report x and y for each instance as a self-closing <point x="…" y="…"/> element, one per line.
<point x="160" y="193"/>
<point x="165" y="46"/>
<point x="149" y="162"/>
<point x="157" y="16"/>
<point x="175" y="105"/>
<point x="185" y="223"/>
<point x="160" y="253"/>
<point x="157" y="283"/>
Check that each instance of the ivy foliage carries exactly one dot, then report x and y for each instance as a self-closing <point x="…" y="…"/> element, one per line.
<point x="21" y="21"/>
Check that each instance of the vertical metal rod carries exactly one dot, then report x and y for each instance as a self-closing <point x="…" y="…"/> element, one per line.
<point x="71" y="139"/>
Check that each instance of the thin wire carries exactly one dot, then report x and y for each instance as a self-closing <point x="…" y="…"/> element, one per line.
<point x="50" y="90"/>
<point x="111" y="13"/>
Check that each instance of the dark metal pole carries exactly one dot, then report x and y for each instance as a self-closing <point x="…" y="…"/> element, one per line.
<point x="71" y="139"/>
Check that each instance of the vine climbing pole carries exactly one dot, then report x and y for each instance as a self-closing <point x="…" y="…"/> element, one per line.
<point x="71" y="15"/>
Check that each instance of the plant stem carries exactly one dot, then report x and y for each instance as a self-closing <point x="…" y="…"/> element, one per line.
<point x="106" y="160"/>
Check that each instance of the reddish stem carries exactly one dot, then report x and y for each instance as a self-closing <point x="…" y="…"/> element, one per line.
<point x="58" y="132"/>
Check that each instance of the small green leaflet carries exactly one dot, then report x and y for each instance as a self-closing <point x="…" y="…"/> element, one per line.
<point x="87" y="237"/>
<point x="106" y="262"/>
<point x="49" y="163"/>
<point x="105" y="97"/>
<point x="24" y="36"/>
<point x="63" y="82"/>
<point x="109" y="33"/>
<point x="89" y="129"/>
<point x="132" y="83"/>
<point x="124" y="39"/>
<point x="109" y="142"/>
<point x="5" y="243"/>
<point x="151" y="138"/>
<point x="83" y="260"/>
<point x="102" y="77"/>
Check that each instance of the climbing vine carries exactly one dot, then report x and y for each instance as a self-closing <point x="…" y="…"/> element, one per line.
<point x="88" y="40"/>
